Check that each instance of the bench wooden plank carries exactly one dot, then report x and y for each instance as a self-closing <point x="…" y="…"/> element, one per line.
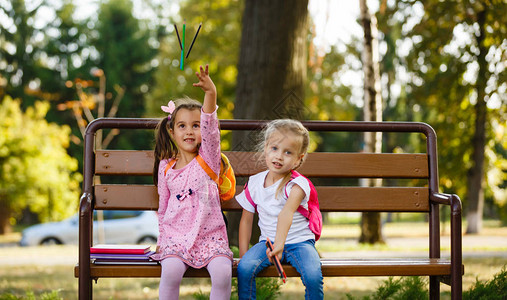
<point x="124" y="162"/>
<point x="330" y="267"/>
<point x="400" y="199"/>
<point x="123" y="196"/>
<point x="349" y="165"/>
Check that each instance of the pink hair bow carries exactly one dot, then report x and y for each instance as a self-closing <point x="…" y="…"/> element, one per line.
<point x="169" y="108"/>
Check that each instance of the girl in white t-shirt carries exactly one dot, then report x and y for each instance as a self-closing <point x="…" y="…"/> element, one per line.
<point x="276" y="198"/>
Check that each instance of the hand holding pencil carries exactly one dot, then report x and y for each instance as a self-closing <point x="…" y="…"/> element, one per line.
<point x="274" y="258"/>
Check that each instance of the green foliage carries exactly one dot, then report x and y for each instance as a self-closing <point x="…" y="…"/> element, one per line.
<point x="18" y="49"/>
<point x="125" y="53"/>
<point x="267" y="288"/>
<point x="201" y="295"/>
<point x="41" y="57"/>
<point x="415" y="287"/>
<point x="217" y="45"/>
<point x="36" y="171"/>
<point x="327" y="97"/>
<point x="66" y="41"/>
<point x="54" y="295"/>
<point x="453" y="67"/>
<point x="489" y="290"/>
<point x="125" y="50"/>
<point x="39" y="52"/>
<point x="411" y="287"/>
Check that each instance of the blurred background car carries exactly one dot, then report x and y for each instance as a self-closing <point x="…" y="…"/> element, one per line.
<point x="117" y="227"/>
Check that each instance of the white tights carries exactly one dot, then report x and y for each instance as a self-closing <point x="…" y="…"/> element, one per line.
<point x="174" y="268"/>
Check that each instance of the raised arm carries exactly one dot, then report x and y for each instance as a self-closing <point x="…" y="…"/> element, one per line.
<point x="210" y="91"/>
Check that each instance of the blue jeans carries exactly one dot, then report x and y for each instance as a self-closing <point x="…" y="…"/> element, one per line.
<point x="302" y="256"/>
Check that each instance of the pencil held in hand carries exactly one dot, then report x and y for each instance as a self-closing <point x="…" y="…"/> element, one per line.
<point x="278" y="265"/>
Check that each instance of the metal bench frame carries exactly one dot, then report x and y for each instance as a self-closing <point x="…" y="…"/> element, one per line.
<point x="438" y="269"/>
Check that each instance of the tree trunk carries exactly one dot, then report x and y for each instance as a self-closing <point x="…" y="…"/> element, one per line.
<point x="271" y="71"/>
<point x="371" y="226"/>
<point x="475" y="174"/>
<point x="5" y="214"/>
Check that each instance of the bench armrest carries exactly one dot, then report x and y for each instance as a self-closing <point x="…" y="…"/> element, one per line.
<point x="456" y="244"/>
<point x="85" y="235"/>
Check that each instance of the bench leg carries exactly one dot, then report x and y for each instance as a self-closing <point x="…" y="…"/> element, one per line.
<point x="434" y="288"/>
<point x="85" y="288"/>
<point x="456" y="288"/>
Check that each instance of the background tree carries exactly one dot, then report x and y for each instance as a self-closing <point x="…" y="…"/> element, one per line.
<point x="125" y="50"/>
<point x="40" y="53"/>
<point x="371" y="226"/>
<point x="125" y="53"/>
<point x="57" y="50"/>
<point x="36" y="171"/>
<point x="271" y="69"/>
<point x="66" y="55"/>
<point x="458" y="77"/>
<point x="18" y="48"/>
<point x="272" y="60"/>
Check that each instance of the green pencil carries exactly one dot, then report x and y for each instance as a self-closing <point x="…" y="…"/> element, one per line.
<point x="183" y="46"/>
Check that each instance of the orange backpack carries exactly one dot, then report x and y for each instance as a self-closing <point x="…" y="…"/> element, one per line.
<point x="226" y="180"/>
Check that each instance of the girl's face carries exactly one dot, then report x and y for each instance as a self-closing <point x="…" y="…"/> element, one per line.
<point x="187" y="130"/>
<point x="282" y="152"/>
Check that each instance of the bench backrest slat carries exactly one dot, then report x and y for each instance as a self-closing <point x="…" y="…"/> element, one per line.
<point x="401" y="199"/>
<point x="344" y="165"/>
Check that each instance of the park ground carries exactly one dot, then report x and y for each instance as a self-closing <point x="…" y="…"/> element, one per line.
<point x="46" y="269"/>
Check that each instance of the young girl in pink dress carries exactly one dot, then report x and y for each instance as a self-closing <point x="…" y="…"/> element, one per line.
<point x="191" y="226"/>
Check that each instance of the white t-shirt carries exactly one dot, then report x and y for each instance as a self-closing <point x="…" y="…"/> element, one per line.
<point x="269" y="207"/>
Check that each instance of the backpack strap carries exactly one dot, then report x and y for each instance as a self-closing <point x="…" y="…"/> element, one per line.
<point x="169" y="165"/>
<point x="249" y="197"/>
<point x="300" y="209"/>
<point x="207" y="169"/>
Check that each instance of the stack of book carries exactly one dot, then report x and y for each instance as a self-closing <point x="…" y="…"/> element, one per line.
<point x="122" y="255"/>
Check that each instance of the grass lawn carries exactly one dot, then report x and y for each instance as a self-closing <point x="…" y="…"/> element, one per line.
<point x="45" y="274"/>
<point x="43" y="279"/>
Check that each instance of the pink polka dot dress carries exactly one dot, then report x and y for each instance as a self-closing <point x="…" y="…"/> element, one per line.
<point x="191" y="225"/>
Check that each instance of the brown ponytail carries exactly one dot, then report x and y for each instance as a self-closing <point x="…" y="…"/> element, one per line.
<point x="164" y="146"/>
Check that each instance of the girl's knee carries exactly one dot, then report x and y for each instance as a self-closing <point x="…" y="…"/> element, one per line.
<point x="221" y="276"/>
<point x="221" y="282"/>
<point x="220" y="269"/>
<point x="313" y="280"/>
<point x="245" y="268"/>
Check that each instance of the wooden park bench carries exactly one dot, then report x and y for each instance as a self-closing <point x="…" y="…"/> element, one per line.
<point x="326" y="167"/>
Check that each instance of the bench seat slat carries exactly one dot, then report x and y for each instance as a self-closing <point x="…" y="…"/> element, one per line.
<point x="345" y="165"/>
<point x="145" y="197"/>
<point x="330" y="267"/>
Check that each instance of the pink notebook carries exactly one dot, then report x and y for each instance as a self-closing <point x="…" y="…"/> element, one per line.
<point x="120" y="249"/>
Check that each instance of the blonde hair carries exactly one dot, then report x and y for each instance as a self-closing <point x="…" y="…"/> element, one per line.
<point x="165" y="148"/>
<point x="284" y="125"/>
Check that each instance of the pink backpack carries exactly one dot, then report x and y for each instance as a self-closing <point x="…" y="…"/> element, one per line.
<point x="312" y="214"/>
